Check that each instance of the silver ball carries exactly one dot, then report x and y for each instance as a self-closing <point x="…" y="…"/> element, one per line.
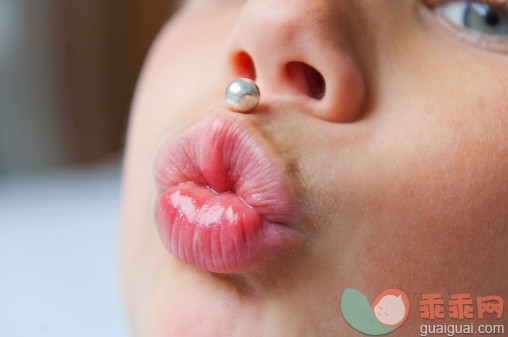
<point x="242" y="95"/>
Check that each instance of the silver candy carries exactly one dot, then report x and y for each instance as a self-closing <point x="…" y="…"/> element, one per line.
<point x="242" y="95"/>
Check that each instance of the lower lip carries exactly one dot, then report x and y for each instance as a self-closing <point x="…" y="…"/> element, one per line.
<point x="230" y="212"/>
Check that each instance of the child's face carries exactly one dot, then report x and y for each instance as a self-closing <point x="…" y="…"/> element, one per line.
<point x="396" y="178"/>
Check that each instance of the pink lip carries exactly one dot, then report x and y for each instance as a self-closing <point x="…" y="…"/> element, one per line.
<point x="223" y="206"/>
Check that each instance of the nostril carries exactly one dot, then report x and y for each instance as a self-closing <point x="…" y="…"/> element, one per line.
<point x="307" y="79"/>
<point x="243" y="66"/>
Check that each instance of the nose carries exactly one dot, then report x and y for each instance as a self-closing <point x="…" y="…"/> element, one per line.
<point x="299" y="50"/>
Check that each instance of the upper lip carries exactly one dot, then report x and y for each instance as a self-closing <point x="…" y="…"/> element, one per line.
<point x="249" y="168"/>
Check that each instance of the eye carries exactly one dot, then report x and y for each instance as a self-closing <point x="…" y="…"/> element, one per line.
<point x="484" y="22"/>
<point x="477" y="16"/>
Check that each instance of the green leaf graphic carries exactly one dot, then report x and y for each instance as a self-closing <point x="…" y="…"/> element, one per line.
<point x="358" y="313"/>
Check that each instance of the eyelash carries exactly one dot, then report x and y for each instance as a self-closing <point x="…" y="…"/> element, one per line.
<point x="495" y="3"/>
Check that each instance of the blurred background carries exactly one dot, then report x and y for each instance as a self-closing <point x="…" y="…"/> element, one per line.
<point x="67" y="73"/>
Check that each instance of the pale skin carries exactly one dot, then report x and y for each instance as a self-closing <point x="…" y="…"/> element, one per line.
<point x="401" y="180"/>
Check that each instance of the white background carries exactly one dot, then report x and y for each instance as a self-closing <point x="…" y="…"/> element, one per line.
<point x="58" y="253"/>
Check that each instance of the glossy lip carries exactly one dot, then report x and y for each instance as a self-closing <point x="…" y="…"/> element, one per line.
<point x="223" y="206"/>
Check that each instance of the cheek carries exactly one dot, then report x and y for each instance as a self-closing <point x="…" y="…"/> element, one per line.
<point x="441" y="193"/>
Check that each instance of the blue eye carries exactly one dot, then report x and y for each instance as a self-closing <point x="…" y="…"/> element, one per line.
<point x="481" y="17"/>
<point x="483" y="23"/>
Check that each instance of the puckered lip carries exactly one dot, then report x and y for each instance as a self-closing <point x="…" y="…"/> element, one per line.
<point x="223" y="204"/>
